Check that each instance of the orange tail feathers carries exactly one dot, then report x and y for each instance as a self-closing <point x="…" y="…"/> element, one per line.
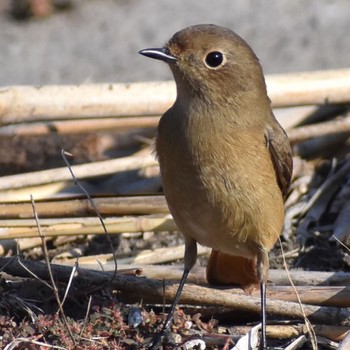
<point x="224" y="269"/>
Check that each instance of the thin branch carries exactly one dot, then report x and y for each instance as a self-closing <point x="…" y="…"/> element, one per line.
<point x="93" y="205"/>
<point x="308" y="324"/>
<point x="86" y="317"/>
<point x="69" y="284"/>
<point x="32" y="274"/>
<point x="53" y="283"/>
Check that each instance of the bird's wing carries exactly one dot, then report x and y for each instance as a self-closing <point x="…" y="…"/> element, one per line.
<point x="227" y="269"/>
<point x="281" y="155"/>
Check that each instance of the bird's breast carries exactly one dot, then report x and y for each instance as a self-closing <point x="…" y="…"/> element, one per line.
<point x="221" y="188"/>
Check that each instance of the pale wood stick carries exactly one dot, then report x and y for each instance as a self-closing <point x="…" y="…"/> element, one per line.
<point x="161" y="255"/>
<point x="26" y="103"/>
<point x="327" y="296"/>
<point x="338" y="126"/>
<point x="155" y="256"/>
<point x="106" y="124"/>
<point x="29" y="243"/>
<point x="308" y="88"/>
<point x="338" y="296"/>
<point x="78" y="206"/>
<point x="78" y="126"/>
<point x="296" y="135"/>
<point x="38" y="192"/>
<point x="160" y="272"/>
<point x="198" y="274"/>
<point x="345" y="344"/>
<point x="84" y="226"/>
<point x="147" y="256"/>
<point x="82" y="171"/>
<point x="335" y="333"/>
<point x="316" y="295"/>
<point x="151" y="290"/>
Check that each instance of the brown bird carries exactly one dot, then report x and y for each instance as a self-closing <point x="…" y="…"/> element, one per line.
<point x="225" y="161"/>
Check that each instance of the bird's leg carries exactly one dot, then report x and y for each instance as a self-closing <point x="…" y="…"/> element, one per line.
<point x="190" y="260"/>
<point x="262" y="271"/>
<point x="263" y="315"/>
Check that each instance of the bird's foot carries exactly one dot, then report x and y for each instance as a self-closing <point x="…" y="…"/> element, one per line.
<point x="158" y="339"/>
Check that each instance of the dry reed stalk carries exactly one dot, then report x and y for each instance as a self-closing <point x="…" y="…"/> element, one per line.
<point x="38" y="192"/>
<point x="337" y="126"/>
<point x="26" y="103"/>
<point x="145" y="257"/>
<point x="78" y="206"/>
<point x="309" y="88"/>
<point x="296" y="135"/>
<point x="78" y="126"/>
<point x="82" y="171"/>
<point x="11" y="229"/>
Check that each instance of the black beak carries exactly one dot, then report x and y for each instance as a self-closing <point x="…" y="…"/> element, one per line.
<point x="159" y="54"/>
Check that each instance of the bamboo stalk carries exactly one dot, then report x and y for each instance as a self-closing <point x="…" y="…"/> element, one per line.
<point x="26" y="103"/>
<point x="26" y="228"/>
<point x="78" y="206"/>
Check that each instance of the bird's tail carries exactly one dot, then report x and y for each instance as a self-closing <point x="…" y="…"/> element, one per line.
<point x="225" y="269"/>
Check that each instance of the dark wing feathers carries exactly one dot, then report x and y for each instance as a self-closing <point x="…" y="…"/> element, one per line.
<point x="281" y="155"/>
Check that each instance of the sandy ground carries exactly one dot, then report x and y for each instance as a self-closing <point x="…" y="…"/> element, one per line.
<point x="98" y="40"/>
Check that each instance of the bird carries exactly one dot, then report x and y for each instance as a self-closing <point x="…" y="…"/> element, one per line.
<point x="225" y="161"/>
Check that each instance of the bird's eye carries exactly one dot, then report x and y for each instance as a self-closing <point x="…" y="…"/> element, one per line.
<point x="214" y="59"/>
